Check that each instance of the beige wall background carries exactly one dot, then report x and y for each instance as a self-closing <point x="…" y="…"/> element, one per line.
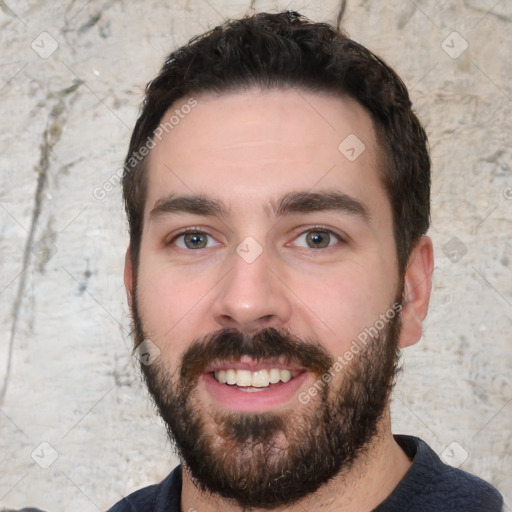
<point x="77" y="431"/>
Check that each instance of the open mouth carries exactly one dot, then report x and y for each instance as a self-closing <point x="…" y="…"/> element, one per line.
<point x="253" y="381"/>
<point x="248" y="385"/>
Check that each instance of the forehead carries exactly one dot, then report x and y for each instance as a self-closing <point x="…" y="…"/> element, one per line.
<point x="251" y="147"/>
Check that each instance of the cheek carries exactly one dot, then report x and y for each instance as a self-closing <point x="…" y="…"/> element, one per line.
<point x="345" y="301"/>
<point x="170" y="305"/>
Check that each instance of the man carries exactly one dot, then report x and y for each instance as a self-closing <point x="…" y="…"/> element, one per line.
<point x="277" y="190"/>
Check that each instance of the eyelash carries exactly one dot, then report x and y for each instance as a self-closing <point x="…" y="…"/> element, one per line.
<point x="186" y="231"/>
<point x="322" y="229"/>
<point x="199" y="230"/>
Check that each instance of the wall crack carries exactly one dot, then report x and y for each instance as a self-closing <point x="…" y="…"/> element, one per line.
<point x="51" y="136"/>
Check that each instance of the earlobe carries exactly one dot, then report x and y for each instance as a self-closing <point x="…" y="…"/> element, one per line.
<point x="128" y="276"/>
<point x="417" y="287"/>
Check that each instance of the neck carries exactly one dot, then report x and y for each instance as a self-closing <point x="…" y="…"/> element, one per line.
<point x="370" y="480"/>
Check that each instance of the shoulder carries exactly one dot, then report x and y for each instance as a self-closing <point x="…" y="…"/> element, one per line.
<point x="162" y="497"/>
<point x="432" y="485"/>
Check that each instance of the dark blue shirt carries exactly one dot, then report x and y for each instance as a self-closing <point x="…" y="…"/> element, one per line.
<point x="428" y="486"/>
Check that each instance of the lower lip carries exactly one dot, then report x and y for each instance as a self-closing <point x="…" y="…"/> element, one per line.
<point x="232" y="398"/>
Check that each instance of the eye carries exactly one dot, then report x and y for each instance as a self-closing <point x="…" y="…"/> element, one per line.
<point x="317" y="239"/>
<point x="194" y="240"/>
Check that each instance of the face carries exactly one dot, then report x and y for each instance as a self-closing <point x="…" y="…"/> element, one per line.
<point x="266" y="253"/>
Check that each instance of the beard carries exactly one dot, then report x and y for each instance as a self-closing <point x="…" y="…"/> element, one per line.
<point x="270" y="459"/>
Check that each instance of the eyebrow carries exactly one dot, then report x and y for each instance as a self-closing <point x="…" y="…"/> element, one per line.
<point x="306" y="202"/>
<point x="193" y="204"/>
<point x="293" y="202"/>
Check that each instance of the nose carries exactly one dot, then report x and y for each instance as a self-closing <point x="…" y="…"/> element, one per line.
<point x="251" y="296"/>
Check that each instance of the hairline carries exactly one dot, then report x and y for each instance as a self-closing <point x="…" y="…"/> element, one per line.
<point x="383" y="156"/>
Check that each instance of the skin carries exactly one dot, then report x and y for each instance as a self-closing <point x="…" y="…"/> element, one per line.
<point x="248" y="150"/>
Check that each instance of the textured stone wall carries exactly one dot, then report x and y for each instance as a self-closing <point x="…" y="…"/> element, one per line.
<point x="77" y="431"/>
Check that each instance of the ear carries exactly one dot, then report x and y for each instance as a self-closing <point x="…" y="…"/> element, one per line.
<point x="128" y="276"/>
<point x="417" y="286"/>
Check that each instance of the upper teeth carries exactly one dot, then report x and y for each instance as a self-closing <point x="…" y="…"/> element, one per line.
<point x="259" y="379"/>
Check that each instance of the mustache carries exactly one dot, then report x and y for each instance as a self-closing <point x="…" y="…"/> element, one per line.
<point x="267" y="344"/>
